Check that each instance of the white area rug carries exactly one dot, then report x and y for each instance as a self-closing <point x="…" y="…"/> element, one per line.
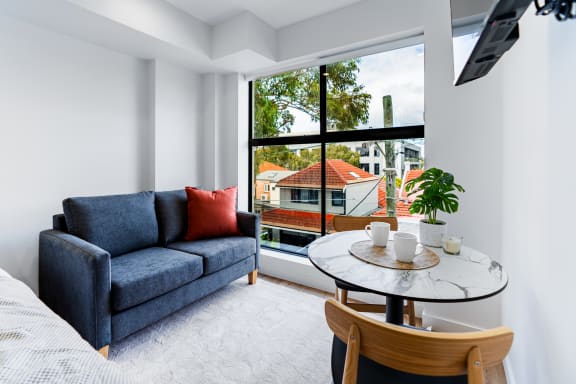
<point x="266" y="333"/>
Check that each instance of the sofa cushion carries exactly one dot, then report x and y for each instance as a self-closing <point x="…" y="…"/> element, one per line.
<point x="171" y="210"/>
<point x="148" y="273"/>
<point x="219" y="253"/>
<point x="211" y="213"/>
<point x="116" y="223"/>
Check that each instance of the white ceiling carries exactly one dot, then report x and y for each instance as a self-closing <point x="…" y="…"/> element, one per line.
<point x="223" y="36"/>
<point x="276" y="13"/>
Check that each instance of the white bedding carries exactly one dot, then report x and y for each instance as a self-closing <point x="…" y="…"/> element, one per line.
<point x="37" y="346"/>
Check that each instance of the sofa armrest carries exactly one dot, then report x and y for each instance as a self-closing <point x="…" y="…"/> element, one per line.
<point x="249" y="225"/>
<point x="75" y="282"/>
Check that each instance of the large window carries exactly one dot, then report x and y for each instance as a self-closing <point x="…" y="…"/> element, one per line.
<point x="339" y="139"/>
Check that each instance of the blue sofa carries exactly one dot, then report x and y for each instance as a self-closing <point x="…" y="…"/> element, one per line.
<point x="113" y="265"/>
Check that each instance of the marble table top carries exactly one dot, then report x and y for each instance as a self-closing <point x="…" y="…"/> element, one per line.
<point x="469" y="276"/>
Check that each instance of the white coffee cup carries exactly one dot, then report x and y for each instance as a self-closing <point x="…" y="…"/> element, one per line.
<point x="405" y="245"/>
<point x="378" y="231"/>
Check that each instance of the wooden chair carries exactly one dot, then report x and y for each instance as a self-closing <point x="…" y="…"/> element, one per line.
<point x="350" y="223"/>
<point x="415" y="352"/>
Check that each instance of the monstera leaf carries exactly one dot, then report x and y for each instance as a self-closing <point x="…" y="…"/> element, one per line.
<point x="435" y="189"/>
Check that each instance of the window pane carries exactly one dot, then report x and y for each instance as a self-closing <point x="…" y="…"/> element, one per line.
<point x="377" y="91"/>
<point x="290" y="211"/>
<point x="337" y="198"/>
<point x="364" y="182"/>
<point x="287" y="104"/>
<point x="363" y="178"/>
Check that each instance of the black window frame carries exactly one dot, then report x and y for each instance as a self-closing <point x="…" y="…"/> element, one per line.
<point x="323" y="138"/>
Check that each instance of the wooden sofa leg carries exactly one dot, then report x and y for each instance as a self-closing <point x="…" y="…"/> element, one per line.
<point x="252" y="277"/>
<point x="104" y="351"/>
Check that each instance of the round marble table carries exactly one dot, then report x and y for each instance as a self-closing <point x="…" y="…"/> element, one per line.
<point x="466" y="277"/>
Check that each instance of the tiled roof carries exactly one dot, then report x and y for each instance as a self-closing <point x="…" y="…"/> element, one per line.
<point x="409" y="175"/>
<point x="402" y="205"/>
<point x="402" y="210"/>
<point x="302" y="220"/>
<point x="268" y="166"/>
<point x="382" y="192"/>
<point x="338" y="174"/>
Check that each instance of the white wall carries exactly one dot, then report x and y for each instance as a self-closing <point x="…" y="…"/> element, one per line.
<point x="354" y="195"/>
<point x="539" y="131"/>
<point x="463" y="124"/>
<point x="178" y="108"/>
<point x="73" y="121"/>
<point x="225" y="134"/>
<point x="463" y="136"/>
<point x="77" y="119"/>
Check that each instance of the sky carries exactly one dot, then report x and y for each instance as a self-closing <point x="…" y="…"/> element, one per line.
<point x="463" y="46"/>
<point x="399" y="73"/>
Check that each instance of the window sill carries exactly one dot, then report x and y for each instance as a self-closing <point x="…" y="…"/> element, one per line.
<point x="293" y="268"/>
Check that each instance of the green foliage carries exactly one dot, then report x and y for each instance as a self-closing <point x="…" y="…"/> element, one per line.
<point x="274" y="96"/>
<point x="278" y="154"/>
<point x="342" y="152"/>
<point x="436" y="189"/>
<point x="346" y="104"/>
<point x="282" y="156"/>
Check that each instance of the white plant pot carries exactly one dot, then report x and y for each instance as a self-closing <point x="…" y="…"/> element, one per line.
<point x="431" y="234"/>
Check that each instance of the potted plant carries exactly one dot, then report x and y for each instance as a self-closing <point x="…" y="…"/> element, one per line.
<point x="435" y="192"/>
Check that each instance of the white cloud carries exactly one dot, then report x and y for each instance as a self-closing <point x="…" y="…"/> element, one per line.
<point x="399" y="73"/>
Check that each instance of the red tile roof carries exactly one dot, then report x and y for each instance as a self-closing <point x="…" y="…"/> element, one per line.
<point x="409" y="175"/>
<point x="382" y="193"/>
<point x="302" y="220"/>
<point x="402" y="210"/>
<point x="338" y="174"/>
<point x="403" y="204"/>
<point x="268" y="166"/>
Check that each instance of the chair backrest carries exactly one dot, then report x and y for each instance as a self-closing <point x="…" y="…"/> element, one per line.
<point x="414" y="351"/>
<point x="351" y="223"/>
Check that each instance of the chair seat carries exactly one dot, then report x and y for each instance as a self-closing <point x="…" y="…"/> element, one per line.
<point x="219" y="253"/>
<point x="148" y="273"/>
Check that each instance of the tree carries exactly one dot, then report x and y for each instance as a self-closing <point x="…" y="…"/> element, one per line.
<point x="276" y="96"/>
<point x="282" y="156"/>
<point x="346" y="104"/>
<point x="339" y="151"/>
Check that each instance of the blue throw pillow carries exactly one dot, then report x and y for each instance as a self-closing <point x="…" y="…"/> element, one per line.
<point x="116" y="223"/>
<point x="172" y="213"/>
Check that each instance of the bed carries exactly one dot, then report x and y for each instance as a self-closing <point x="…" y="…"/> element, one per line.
<point x="37" y="346"/>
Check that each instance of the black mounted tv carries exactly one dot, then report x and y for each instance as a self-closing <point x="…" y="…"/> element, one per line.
<point x="482" y="30"/>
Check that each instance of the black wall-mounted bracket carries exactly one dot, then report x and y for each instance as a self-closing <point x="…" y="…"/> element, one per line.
<point x="562" y="9"/>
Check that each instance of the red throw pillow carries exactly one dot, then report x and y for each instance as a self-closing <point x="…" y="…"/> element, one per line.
<point x="211" y="213"/>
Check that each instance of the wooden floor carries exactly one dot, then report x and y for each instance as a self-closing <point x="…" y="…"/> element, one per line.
<point x="494" y="375"/>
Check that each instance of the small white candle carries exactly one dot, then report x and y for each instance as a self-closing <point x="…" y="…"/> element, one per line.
<point x="452" y="245"/>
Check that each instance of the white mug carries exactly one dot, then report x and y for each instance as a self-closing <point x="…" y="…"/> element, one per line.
<point x="405" y="246"/>
<point x="379" y="231"/>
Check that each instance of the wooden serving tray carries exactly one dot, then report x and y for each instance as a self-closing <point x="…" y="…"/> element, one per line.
<point x="385" y="256"/>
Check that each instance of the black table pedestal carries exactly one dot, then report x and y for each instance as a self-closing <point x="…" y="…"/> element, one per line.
<point x="394" y="310"/>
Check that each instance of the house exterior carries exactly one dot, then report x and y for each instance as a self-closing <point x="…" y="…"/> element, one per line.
<point x="265" y="186"/>
<point x="297" y="220"/>
<point x="349" y="190"/>
<point x="408" y="156"/>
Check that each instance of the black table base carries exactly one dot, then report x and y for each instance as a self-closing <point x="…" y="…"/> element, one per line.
<point x="394" y="310"/>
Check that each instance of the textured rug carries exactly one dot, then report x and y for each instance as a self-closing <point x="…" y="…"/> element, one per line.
<point x="265" y="333"/>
